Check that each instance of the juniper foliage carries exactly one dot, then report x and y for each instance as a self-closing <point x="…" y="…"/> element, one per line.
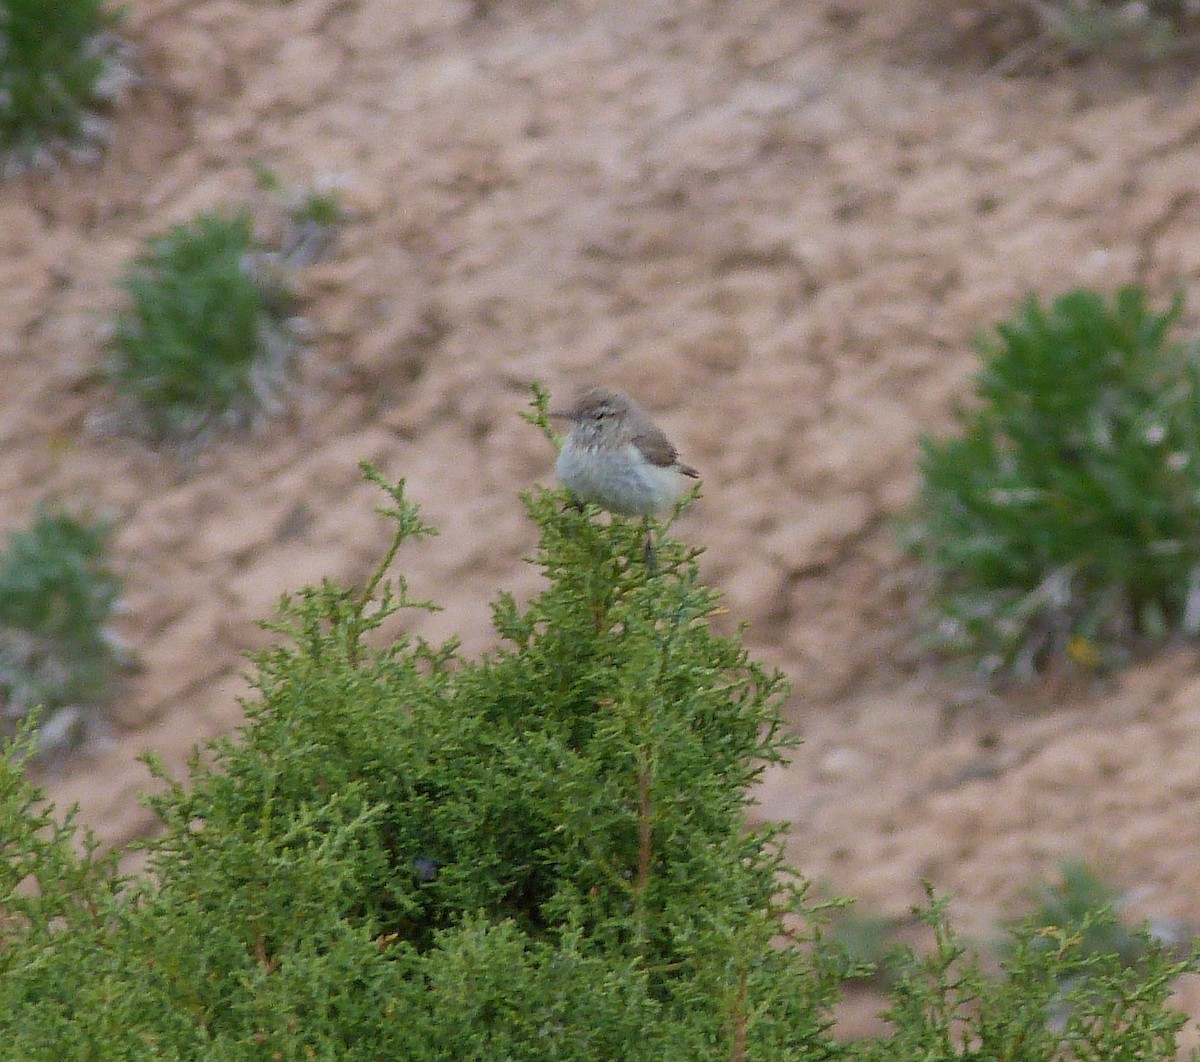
<point x="404" y="854"/>
<point x="946" y="1008"/>
<point x="541" y="854"/>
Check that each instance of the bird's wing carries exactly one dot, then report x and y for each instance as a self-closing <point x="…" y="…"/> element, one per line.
<point x="658" y="450"/>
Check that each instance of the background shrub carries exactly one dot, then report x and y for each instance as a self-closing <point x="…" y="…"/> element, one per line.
<point x="57" y="595"/>
<point x="1083" y="904"/>
<point x="1037" y="35"/>
<point x="61" y="67"/>
<point x="1061" y="523"/>
<point x="1152" y="28"/>
<point x="206" y="338"/>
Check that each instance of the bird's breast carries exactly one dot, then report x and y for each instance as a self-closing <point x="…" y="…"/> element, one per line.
<point x="618" y="478"/>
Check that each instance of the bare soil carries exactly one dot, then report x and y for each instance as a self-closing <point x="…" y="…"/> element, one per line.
<point x="778" y="224"/>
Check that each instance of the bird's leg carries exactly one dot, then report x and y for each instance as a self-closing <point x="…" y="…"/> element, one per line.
<point x="648" y="549"/>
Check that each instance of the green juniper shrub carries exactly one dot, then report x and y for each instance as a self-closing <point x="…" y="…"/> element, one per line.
<point x="64" y="925"/>
<point x="1084" y="909"/>
<point x="866" y="945"/>
<point x="1083" y="906"/>
<point x="206" y="338"/>
<point x="539" y="854"/>
<point x="405" y="854"/>
<point x="945" y="1008"/>
<point x="61" y="67"/>
<point x="57" y="596"/>
<point x="1061" y="523"/>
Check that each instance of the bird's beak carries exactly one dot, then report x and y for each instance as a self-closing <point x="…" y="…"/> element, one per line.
<point x="559" y="415"/>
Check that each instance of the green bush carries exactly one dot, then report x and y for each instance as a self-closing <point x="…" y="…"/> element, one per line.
<point x="945" y="1008"/>
<point x="205" y="340"/>
<point x="57" y="595"/>
<point x="1150" y="28"/>
<point x="866" y="945"/>
<point x="1043" y="35"/>
<point x="60" y="68"/>
<point x="541" y="854"/>
<point x="1082" y="904"/>
<point x="1084" y="909"/>
<point x="1062" y="522"/>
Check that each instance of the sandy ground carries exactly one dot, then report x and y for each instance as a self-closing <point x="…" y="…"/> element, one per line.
<point x="777" y="223"/>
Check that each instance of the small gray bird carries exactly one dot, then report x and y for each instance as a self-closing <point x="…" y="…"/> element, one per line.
<point x="615" y="456"/>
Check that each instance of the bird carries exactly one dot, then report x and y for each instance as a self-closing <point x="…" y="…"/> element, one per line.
<point x="615" y="456"/>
